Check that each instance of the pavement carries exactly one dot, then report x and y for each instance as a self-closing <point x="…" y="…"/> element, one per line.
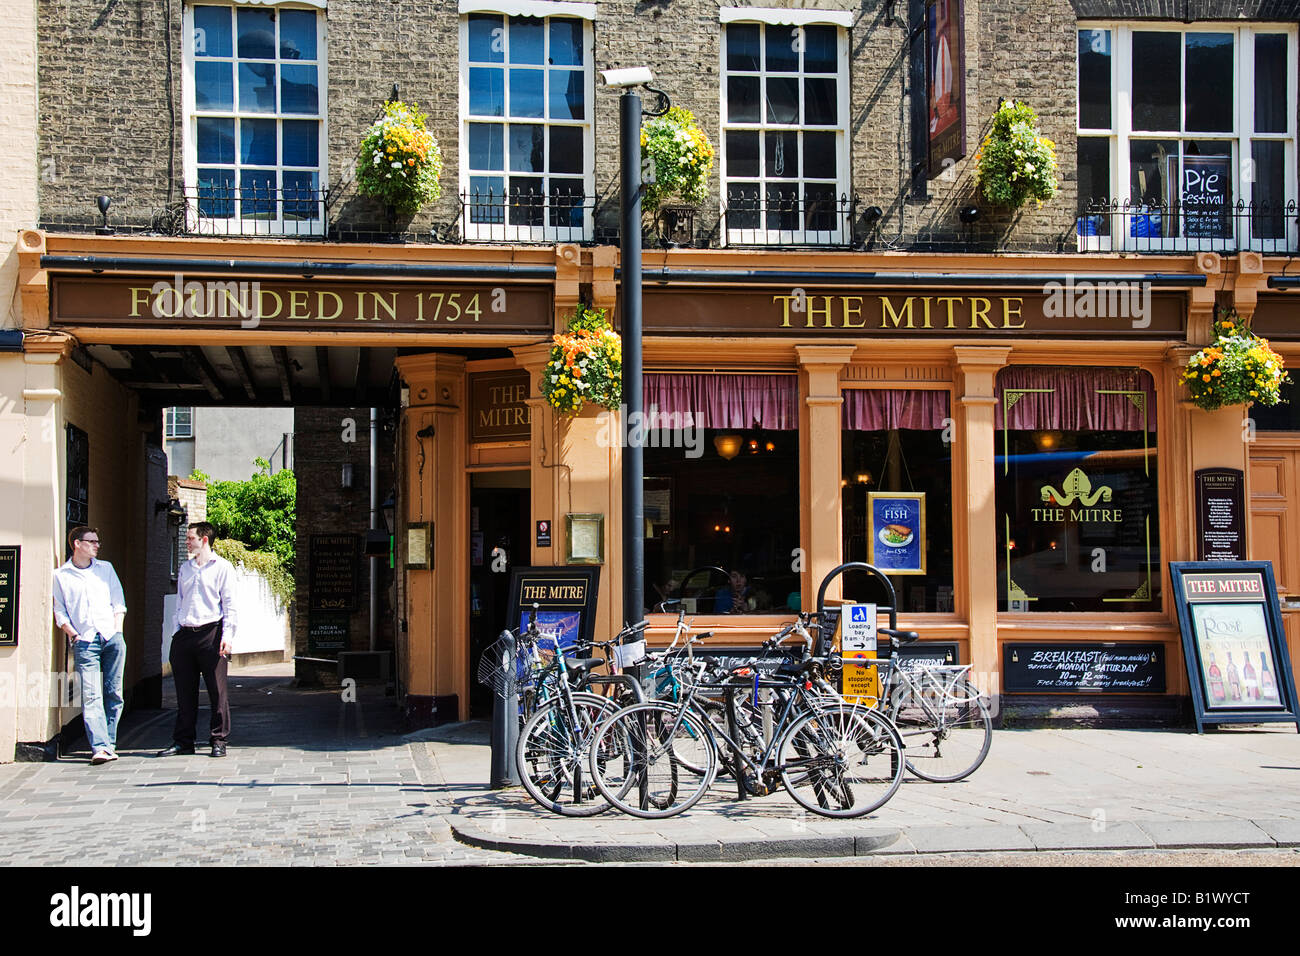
<point x="314" y="778"/>
<point x="1038" y="791"/>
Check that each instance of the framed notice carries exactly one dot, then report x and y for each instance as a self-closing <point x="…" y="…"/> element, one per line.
<point x="585" y="536"/>
<point x="896" y="531"/>
<point x="1234" y="643"/>
<point x="1220" y="515"/>
<point x="328" y="631"/>
<point x="565" y="600"/>
<point x="9" y="568"/>
<point x="419" y="545"/>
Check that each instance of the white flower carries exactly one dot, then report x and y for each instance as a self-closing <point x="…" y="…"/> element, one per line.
<point x="395" y="165"/>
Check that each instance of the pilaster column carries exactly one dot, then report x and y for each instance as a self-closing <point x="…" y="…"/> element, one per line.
<point x="1250" y="281"/>
<point x="978" y="367"/>
<point x="436" y="492"/>
<point x="1200" y="301"/>
<point x="543" y="477"/>
<point x="820" y="532"/>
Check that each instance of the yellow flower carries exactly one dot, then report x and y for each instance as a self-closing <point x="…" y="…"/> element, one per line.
<point x="1205" y="378"/>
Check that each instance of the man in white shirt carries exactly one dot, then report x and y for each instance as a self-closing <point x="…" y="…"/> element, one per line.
<point x="205" y="623"/>
<point x="89" y="607"/>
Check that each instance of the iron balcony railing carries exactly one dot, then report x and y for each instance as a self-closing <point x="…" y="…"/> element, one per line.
<point x="1129" y="226"/>
<point x="527" y="215"/>
<point x="253" y="207"/>
<point x="773" y="216"/>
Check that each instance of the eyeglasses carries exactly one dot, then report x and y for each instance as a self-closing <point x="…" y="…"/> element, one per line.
<point x="94" y="541"/>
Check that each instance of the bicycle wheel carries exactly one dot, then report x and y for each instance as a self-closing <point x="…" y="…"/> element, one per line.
<point x="841" y="761"/>
<point x="947" y="732"/>
<point x="653" y="760"/>
<point x="551" y="755"/>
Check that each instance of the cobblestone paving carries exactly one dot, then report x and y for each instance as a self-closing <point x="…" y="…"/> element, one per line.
<point x="309" y="781"/>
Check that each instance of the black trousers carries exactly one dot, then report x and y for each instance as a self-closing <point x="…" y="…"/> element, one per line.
<point x="195" y="651"/>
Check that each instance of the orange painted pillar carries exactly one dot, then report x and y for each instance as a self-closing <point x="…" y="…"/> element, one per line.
<point x="436" y="493"/>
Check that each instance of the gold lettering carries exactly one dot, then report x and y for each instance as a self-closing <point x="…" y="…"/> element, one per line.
<point x="785" y="309"/>
<point x="854" y="310"/>
<point x="521" y="416"/>
<point x="1007" y="312"/>
<point x="949" y="300"/>
<point x="361" y="307"/>
<point x="298" y="301"/>
<point x="977" y="314"/>
<point x="261" y="309"/>
<point x="813" y="311"/>
<point x="485" y="419"/>
<point x="389" y="307"/>
<point x="888" y="314"/>
<point x="136" y="301"/>
<point x="926" y="323"/>
<point x="320" y="306"/>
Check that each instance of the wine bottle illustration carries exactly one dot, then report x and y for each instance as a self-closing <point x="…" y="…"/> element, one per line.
<point x="1234" y="679"/>
<point x="1268" y="687"/>
<point x="1249" y="681"/>
<point x="1217" y="693"/>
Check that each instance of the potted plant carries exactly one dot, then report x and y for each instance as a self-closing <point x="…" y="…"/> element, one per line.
<point x="682" y="158"/>
<point x="585" y="365"/>
<point x="400" y="163"/>
<point x="1015" y="163"/>
<point x="1238" y="368"/>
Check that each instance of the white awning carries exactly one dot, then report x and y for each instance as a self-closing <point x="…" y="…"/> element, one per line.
<point x="531" y="8"/>
<point x="785" y="17"/>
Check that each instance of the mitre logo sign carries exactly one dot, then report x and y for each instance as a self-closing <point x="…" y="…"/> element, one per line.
<point x="1076" y="501"/>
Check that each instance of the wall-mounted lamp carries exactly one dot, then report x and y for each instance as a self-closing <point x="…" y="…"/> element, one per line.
<point x="345" y="479"/>
<point x="969" y="214"/>
<point x="103" y="202"/>
<point x="871" y="216"/>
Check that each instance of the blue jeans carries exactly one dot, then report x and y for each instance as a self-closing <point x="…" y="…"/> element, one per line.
<point x="100" y="662"/>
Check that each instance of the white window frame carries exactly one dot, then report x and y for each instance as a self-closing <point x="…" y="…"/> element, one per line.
<point x="235" y="225"/>
<point x="170" y="431"/>
<point x="763" y="236"/>
<point x="503" y="231"/>
<point x="1121" y="133"/>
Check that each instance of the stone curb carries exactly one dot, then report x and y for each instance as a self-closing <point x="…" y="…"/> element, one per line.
<point x="921" y="841"/>
<point x="703" y="851"/>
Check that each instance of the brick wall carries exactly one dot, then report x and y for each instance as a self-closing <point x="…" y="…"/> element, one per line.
<point x="326" y="508"/>
<point x="111" y="121"/>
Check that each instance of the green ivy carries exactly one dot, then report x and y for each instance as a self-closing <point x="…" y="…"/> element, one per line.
<point x="259" y="512"/>
<point x="267" y="565"/>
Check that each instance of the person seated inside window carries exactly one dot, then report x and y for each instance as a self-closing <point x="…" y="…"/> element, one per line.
<point x="736" y="597"/>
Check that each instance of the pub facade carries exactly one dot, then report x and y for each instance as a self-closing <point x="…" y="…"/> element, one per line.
<point x="850" y="354"/>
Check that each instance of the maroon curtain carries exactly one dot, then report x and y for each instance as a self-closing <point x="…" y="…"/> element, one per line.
<point x="1076" y="399"/>
<point x="879" y="409"/>
<point x="725" y="401"/>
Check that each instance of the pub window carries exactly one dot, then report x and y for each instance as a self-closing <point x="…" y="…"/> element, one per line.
<point x="1076" y="481"/>
<point x="784" y="132"/>
<point x="1186" y="137"/>
<point x="526" y="144"/>
<point x="722" y="492"/>
<point x="255" y="120"/>
<point x="1282" y="417"/>
<point x="896" y="492"/>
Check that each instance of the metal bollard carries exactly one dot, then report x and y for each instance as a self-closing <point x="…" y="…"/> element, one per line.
<point x="505" y="720"/>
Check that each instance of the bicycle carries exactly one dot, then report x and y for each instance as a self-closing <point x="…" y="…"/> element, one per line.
<point x="835" y="760"/>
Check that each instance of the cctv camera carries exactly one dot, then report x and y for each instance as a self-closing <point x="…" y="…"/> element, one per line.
<point x="634" y="76"/>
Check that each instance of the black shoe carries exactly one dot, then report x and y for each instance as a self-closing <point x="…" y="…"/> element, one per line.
<point x="218" y="748"/>
<point x="176" y="750"/>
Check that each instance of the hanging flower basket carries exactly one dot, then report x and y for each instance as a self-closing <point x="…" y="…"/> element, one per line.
<point x="586" y="364"/>
<point x="1239" y="368"/>
<point x="682" y="158"/>
<point x="400" y="162"/>
<point x="1015" y="163"/>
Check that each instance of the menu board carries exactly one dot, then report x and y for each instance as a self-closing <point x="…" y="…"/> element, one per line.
<point x="1107" y="668"/>
<point x="896" y="532"/>
<point x="1220" y="515"/>
<point x="1233" y="640"/>
<point x="9" y="562"/>
<point x="332" y="572"/>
